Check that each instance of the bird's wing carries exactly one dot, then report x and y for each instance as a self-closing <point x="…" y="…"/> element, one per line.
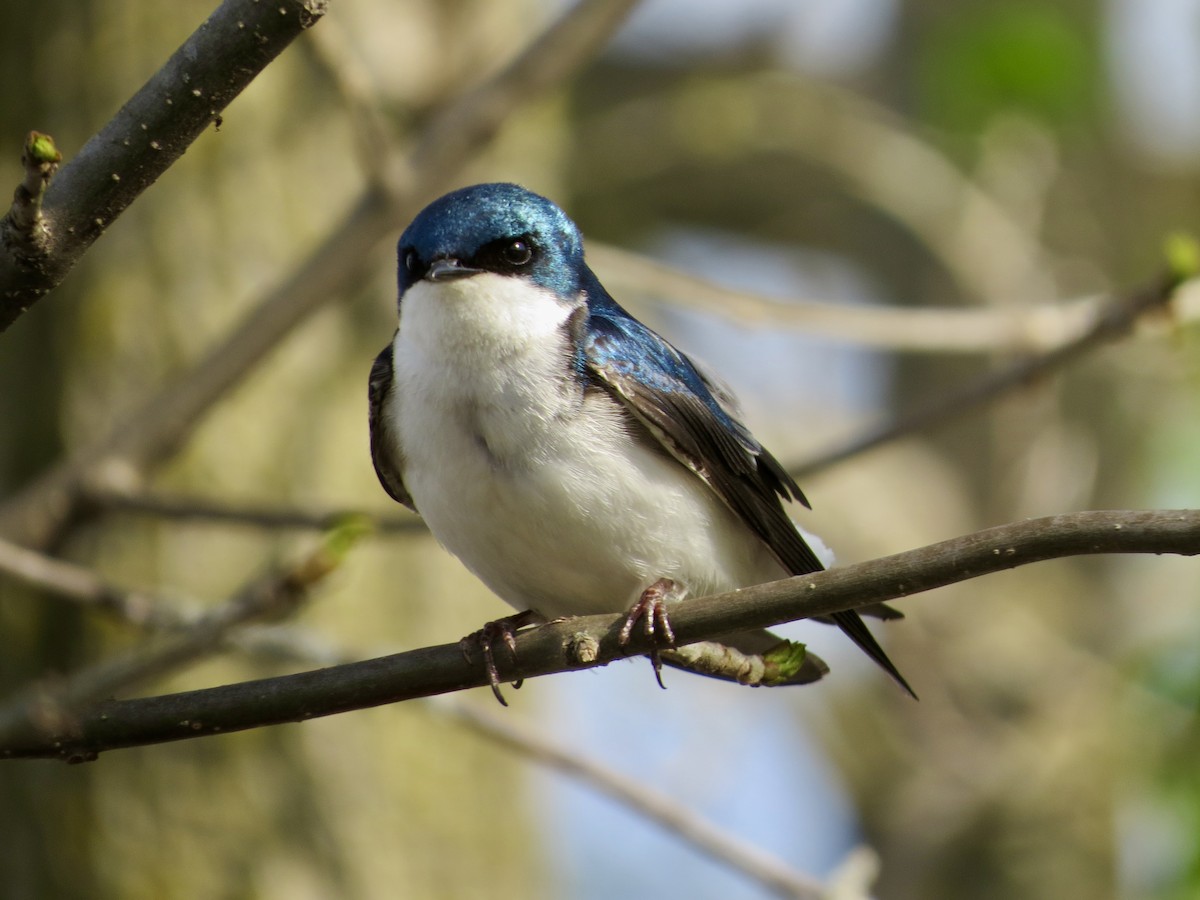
<point x="385" y="450"/>
<point x="665" y="392"/>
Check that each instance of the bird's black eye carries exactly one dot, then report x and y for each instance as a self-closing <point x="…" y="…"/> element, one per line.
<point x="410" y="261"/>
<point x="505" y="256"/>
<point x="517" y="253"/>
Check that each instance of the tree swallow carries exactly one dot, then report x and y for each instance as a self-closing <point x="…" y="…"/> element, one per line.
<point x="569" y="456"/>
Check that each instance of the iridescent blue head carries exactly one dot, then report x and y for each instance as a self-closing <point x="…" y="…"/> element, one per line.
<point x="499" y="228"/>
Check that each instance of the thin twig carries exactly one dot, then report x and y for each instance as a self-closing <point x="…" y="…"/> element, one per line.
<point x="553" y="647"/>
<point x="151" y="130"/>
<point x="154" y="611"/>
<point x="277" y="593"/>
<point x="910" y="329"/>
<point x="222" y="512"/>
<point x="38" y="515"/>
<point x="144" y="609"/>
<point x="1109" y="323"/>
<point x="643" y="799"/>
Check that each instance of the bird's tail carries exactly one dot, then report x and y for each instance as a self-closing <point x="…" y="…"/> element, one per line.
<point x="851" y="623"/>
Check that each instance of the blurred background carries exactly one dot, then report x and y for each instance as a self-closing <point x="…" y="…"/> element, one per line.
<point x="983" y="161"/>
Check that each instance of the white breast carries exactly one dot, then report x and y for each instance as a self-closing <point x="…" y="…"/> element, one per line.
<point x="537" y="486"/>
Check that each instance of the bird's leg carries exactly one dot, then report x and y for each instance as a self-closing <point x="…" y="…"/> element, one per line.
<point x="498" y="631"/>
<point x="651" y="608"/>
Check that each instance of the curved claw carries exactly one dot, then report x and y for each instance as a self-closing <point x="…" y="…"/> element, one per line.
<point x="500" y="630"/>
<point x="651" y="609"/>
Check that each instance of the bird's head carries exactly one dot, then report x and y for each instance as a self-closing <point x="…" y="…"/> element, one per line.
<point x="502" y="229"/>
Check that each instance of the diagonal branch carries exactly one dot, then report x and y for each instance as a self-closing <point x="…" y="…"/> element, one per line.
<point x="158" y="612"/>
<point x="79" y="734"/>
<point x="643" y="799"/>
<point x="145" y="609"/>
<point x="278" y="592"/>
<point x="147" y="135"/>
<point x="1110" y="322"/>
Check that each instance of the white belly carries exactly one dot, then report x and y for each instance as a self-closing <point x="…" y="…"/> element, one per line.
<point x="583" y="529"/>
<point x="539" y="489"/>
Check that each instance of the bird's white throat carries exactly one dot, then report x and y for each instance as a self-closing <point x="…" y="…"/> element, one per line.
<point x="484" y="319"/>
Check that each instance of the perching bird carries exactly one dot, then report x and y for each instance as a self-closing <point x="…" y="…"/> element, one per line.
<point x="572" y="458"/>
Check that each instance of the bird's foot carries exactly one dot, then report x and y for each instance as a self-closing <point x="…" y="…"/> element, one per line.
<point x="651" y="609"/>
<point x="501" y="631"/>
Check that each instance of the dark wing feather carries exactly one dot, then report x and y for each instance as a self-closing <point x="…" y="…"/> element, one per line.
<point x="384" y="448"/>
<point x="666" y="393"/>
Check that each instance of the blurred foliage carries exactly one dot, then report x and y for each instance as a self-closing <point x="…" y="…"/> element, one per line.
<point x="1053" y="752"/>
<point x="987" y="59"/>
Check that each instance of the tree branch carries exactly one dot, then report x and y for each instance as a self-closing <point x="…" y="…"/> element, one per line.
<point x="685" y="824"/>
<point x="147" y="135"/>
<point x="278" y="592"/>
<point x="184" y="508"/>
<point x="87" y="588"/>
<point x="156" y="612"/>
<point x="153" y="613"/>
<point x="79" y="734"/>
<point x="1109" y="322"/>
<point x="908" y="329"/>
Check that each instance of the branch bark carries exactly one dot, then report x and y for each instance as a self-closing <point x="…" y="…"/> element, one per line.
<point x="147" y="135"/>
<point x="80" y="734"/>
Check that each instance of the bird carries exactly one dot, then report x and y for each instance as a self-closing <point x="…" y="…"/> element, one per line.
<point x="571" y="457"/>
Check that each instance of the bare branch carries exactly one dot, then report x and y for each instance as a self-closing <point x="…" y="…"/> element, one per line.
<point x="920" y="329"/>
<point x="144" y="609"/>
<point x="643" y="799"/>
<point x="158" y="611"/>
<point x="277" y="593"/>
<point x="204" y="509"/>
<point x="147" y="611"/>
<point x="147" y="135"/>
<point x="79" y="734"/>
<point x="153" y="613"/>
<point x="561" y="49"/>
<point x="1109" y="322"/>
<point x="154" y="431"/>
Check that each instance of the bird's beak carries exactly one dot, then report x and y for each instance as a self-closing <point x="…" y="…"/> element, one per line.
<point x="448" y="269"/>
